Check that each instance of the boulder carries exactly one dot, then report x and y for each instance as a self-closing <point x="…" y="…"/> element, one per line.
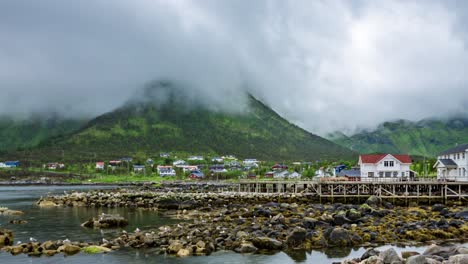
<point x="438" y="207"/>
<point x="458" y="259"/>
<point x="353" y="215"/>
<point x="308" y="223"/>
<point x="390" y="256"/>
<point x="267" y="243"/>
<point x="47" y="203"/>
<point x="49" y="245"/>
<point x="369" y="253"/>
<point x="296" y="237"/>
<point x="341" y="220"/>
<point x="174" y="247"/>
<point x="339" y="237"/>
<point x="6" y="237"/>
<point x="462" y="215"/>
<point x="372" y="260"/>
<point x="69" y="249"/>
<point x="15" y="250"/>
<point x="106" y="221"/>
<point x="417" y="259"/>
<point x="246" y="247"/>
<point x="374" y="201"/>
<point x="96" y="249"/>
<point x="408" y="254"/>
<point x="184" y="252"/>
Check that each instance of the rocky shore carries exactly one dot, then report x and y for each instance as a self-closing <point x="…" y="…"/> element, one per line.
<point x="256" y="223"/>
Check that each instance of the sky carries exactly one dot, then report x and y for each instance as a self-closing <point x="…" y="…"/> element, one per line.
<point x="324" y="65"/>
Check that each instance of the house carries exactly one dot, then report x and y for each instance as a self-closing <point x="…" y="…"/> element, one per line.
<point x="126" y="159"/>
<point x="217" y="159"/>
<point x="149" y="162"/>
<point x="196" y="175"/>
<point x="353" y="174"/>
<point x="138" y="168"/>
<point x="178" y="163"/>
<point x="281" y="174"/>
<point x="385" y="166"/>
<point x="217" y="168"/>
<point x="322" y="172"/>
<point x="195" y="158"/>
<point x="294" y="175"/>
<point x="338" y="169"/>
<point x="164" y="171"/>
<point x="55" y="166"/>
<point x="164" y="155"/>
<point x="279" y="167"/>
<point x="250" y="163"/>
<point x="100" y="165"/>
<point x="269" y="174"/>
<point x="114" y="163"/>
<point x="10" y="164"/>
<point x="452" y="164"/>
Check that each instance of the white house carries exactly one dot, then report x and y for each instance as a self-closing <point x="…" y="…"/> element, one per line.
<point x="179" y="163"/>
<point x="197" y="158"/>
<point x="166" y="171"/>
<point x="452" y="164"/>
<point x="385" y="166"/>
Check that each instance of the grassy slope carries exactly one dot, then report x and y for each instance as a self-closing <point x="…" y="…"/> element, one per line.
<point x="426" y="138"/>
<point x="26" y="133"/>
<point x="136" y="128"/>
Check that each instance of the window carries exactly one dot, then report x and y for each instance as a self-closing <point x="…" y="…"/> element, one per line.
<point x="381" y="174"/>
<point x="388" y="174"/>
<point x="370" y="174"/>
<point x="463" y="155"/>
<point x="388" y="163"/>
<point x="458" y="156"/>
<point x="402" y="174"/>
<point x="395" y="174"/>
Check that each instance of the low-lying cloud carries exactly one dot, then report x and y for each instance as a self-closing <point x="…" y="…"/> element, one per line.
<point x="325" y="65"/>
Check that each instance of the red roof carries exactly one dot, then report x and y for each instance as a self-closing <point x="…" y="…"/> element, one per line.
<point x="374" y="158"/>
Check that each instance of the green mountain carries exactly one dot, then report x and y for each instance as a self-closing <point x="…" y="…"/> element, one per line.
<point x="426" y="138"/>
<point x="30" y="132"/>
<point x="184" y="126"/>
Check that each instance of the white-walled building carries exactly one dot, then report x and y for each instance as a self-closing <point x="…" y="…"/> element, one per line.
<point x="452" y="164"/>
<point x="166" y="171"/>
<point x="385" y="166"/>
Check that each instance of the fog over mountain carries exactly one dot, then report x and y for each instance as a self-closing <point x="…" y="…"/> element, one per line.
<point x="324" y="65"/>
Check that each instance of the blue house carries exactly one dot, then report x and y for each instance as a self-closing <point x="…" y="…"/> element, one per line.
<point x="12" y="164"/>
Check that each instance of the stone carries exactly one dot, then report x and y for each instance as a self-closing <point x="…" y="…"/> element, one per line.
<point x="309" y="223"/>
<point x="296" y="237"/>
<point x="438" y="207"/>
<point x="174" y="247"/>
<point x="70" y="249"/>
<point x="407" y="254"/>
<point x="373" y="201"/>
<point x="16" y="250"/>
<point x="416" y="259"/>
<point x="458" y="259"/>
<point x="242" y="234"/>
<point x="47" y="203"/>
<point x="6" y="237"/>
<point x="184" y="252"/>
<point x="339" y="237"/>
<point x="96" y="249"/>
<point x="390" y="256"/>
<point x="267" y="243"/>
<point x="462" y="214"/>
<point x="372" y="260"/>
<point x="353" y="215"/>
<point x="49" y="245"/>
<point x="369" y="253"/>
<point x="246" y="247"/>
<point x="106" y="221"/>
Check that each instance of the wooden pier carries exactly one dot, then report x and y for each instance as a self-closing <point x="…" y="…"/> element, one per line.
<point x="407" y="190"/>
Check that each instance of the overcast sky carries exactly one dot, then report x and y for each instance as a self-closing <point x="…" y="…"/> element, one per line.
<point x="325" y="65"/>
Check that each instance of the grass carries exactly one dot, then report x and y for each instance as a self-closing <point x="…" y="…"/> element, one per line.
<point x="103" y="178"/>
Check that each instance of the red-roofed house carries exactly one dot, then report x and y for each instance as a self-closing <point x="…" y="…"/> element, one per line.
<point x="385" y="166"/>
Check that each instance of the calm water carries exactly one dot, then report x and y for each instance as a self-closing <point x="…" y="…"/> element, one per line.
<point x="64" y="222"/>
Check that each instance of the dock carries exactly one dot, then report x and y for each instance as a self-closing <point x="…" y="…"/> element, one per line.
<point x="429" y="190"/>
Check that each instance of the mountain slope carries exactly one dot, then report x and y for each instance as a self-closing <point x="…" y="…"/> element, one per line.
<point x="427" y="137"/>
<point x="30" y="132"/>
<point x="174" y="126"/>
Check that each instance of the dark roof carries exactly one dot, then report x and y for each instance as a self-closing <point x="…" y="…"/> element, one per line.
<point x="457" y="149"/>
<point x="350" y="173"/>
<point x="448" y="162"/>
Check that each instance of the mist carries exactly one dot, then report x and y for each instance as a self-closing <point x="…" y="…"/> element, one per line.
<point x="324" y="65"/>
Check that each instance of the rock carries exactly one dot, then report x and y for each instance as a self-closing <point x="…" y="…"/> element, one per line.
<point x="296" y="238"/>
<point x="49" y="245"/>
<point x="353" y="215"/>
<point x="47" y="203"/>
<point x="246" y="247"/>
<point x="174" y="247"/>
<point x="96" y="249"/>
<point x="390" y="256"/>
<point x="434" y="250"/>
<point x="458" y="259"/>
<point x="341" y="220"/>
<point x="106" y="221"/>
<point x="242" y="234"/>
<point x="369" y="253"/>
<point x="184" y="252"/>
<point x="50" y="252"/>
<point x="277" y="219"/>
<point x="438" y="207"/>
<point x="69" y="249"/>
<point x="267" y="243"/>
<point x="9" y="212"/>
<point x="18" y="222"/>
<point x="339" y="237"/>
<point x="416" y="259"/>
<point x="373" y="201"/>
<point x="16" y="250"/>
<point x="309" y="223"/>
<point x="6" y="237"/>
<point x="372" y="260"/>
<point x="462" y="214"/>
<point x="407" y="254"/>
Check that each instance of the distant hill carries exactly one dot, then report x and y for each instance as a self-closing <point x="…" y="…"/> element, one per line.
<point x="30" y="132"/>
<point x="177" y="126"/>
<point x="426" y="138"/>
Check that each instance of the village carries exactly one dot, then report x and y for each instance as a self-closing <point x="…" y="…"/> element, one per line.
<point x="451" y="165"/>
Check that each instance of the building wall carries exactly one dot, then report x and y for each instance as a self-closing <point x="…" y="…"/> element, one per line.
<point x="460" y="173"/>
<point x="403" y="170"/>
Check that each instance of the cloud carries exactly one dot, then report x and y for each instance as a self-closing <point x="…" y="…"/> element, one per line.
<point x="325" y="65"/>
